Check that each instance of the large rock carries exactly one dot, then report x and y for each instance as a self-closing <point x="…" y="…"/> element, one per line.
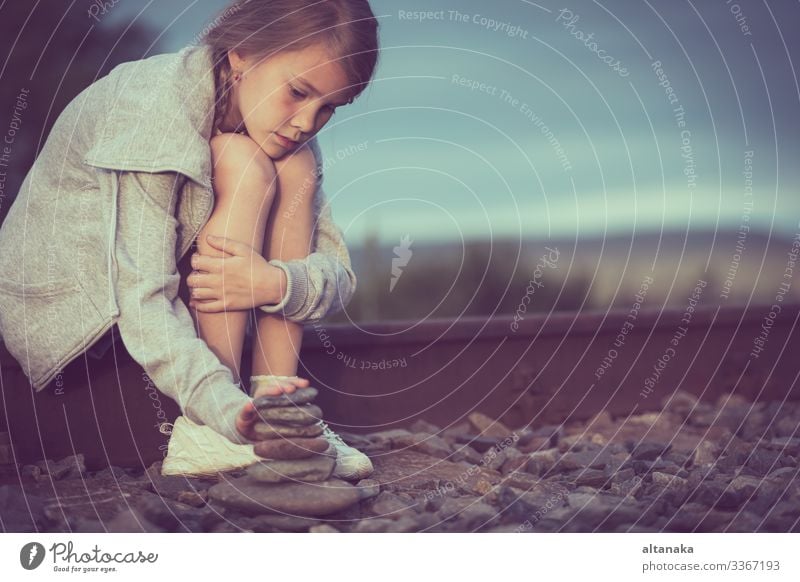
<point x="248" y="496"/>
<point x="312" y="469"/>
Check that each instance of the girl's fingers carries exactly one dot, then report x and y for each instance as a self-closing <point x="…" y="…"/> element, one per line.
<point x="207" y="307"/>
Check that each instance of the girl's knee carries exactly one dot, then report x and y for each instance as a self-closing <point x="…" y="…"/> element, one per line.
<point x="238" y="160"/>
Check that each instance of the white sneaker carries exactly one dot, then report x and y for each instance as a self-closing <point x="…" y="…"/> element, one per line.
<point x="197" y="450"/>
<point x="351" y="464"/>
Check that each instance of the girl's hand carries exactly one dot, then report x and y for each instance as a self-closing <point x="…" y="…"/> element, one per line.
<point x="241" y="280"/>
<point x="266" y="386"/>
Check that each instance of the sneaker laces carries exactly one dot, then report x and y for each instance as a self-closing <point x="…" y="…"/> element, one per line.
<point x="328" y="433"/>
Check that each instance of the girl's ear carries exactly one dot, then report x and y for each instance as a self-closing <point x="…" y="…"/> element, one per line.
<point x="235" y="59"/>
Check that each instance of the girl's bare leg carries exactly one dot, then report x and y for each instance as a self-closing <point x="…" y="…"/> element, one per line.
<point x="277" y="342"/>
<point x="244" y="187"/>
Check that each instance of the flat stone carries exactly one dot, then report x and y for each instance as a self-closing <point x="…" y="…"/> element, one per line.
<point x="312" y="469"/>
<point x="292" y="415"/>
<point x="296" y="398"/>
<point x="287" y="449"/>
<point x="264" y="431"/>
<point x="307" y="499"/>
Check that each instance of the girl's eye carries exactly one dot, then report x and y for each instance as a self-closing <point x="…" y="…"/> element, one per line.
<point x="296" y="93"/>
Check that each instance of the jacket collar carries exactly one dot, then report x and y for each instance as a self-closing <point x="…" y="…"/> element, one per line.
<point x="159" y="115"/>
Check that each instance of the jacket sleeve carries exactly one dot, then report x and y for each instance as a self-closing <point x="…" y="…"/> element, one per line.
<point x="154" y="323"/>
<point x="324" y="282"/>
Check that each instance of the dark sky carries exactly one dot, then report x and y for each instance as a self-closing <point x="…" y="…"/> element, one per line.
<point x="557" y="142"/>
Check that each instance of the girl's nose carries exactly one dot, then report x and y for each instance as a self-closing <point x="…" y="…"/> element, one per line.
<point x="304" y="120"/>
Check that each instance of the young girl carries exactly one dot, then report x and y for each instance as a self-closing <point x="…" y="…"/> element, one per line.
<point x="145" y="147"/>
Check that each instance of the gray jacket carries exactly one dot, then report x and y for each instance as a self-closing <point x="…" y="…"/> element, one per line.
<point x="114" y="200"/>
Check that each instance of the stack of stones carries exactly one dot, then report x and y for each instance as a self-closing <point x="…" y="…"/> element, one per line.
<point x="295" y="475"/>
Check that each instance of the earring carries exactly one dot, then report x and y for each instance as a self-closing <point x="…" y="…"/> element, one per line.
<point x="237" y="76"/>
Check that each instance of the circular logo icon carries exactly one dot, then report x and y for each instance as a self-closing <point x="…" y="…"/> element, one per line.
<point x="31" y="555"/>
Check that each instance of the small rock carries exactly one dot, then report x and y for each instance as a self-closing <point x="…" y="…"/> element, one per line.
<point x="680" y="403"/>
<point x="465" y="453"/>
<point x="479" y="443"/>
<point x="68" y="468"/>
<point x="589" y="477"/>
<point x="466" y="514"/>
<point x="312" y="469"/>
<point x="131" y="521"/>
<point x="746" y="485"/>
<point x="288" y="449"/>
<point x="369" y="488"/>
<point x="22" y="512"/>
<point x="193" y="498"/>
<point x="763" y="461"/>
<point x="387" y="505"/>
<point x="424" y="443"/>
<point x="268" y="522"/>
<point x="584" y="459"/>
<point x="298" y="397"/>
<point x="789" y="445"/>
<point x="292" y="415"/>
<point x="488" y="427"/>
<point x="542" y="462"/>
<point x="420" y="425"/>
<point x="323" y="528"/>
<point x="380" y="525"/>
<point x="706" y="452"/>
<point x="649" y="451"/>
<point x="717" y="495"/>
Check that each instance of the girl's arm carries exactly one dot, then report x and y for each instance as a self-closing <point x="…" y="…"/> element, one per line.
<point x="154" y="323"/>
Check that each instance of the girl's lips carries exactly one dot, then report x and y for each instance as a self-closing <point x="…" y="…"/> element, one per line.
<point x="284" y="141"/>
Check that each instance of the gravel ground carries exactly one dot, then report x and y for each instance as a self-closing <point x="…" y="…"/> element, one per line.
<point x="729" y="466"/>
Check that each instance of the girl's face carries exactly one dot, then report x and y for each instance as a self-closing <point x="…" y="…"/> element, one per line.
<point x="284" y="100"/>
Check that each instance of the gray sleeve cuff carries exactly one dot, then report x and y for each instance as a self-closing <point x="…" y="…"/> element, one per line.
<point x="296" y="288"/>
<point x="218" y="410"/>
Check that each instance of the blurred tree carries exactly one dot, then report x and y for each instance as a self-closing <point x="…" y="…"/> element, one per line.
<point x="54" y="50"/>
